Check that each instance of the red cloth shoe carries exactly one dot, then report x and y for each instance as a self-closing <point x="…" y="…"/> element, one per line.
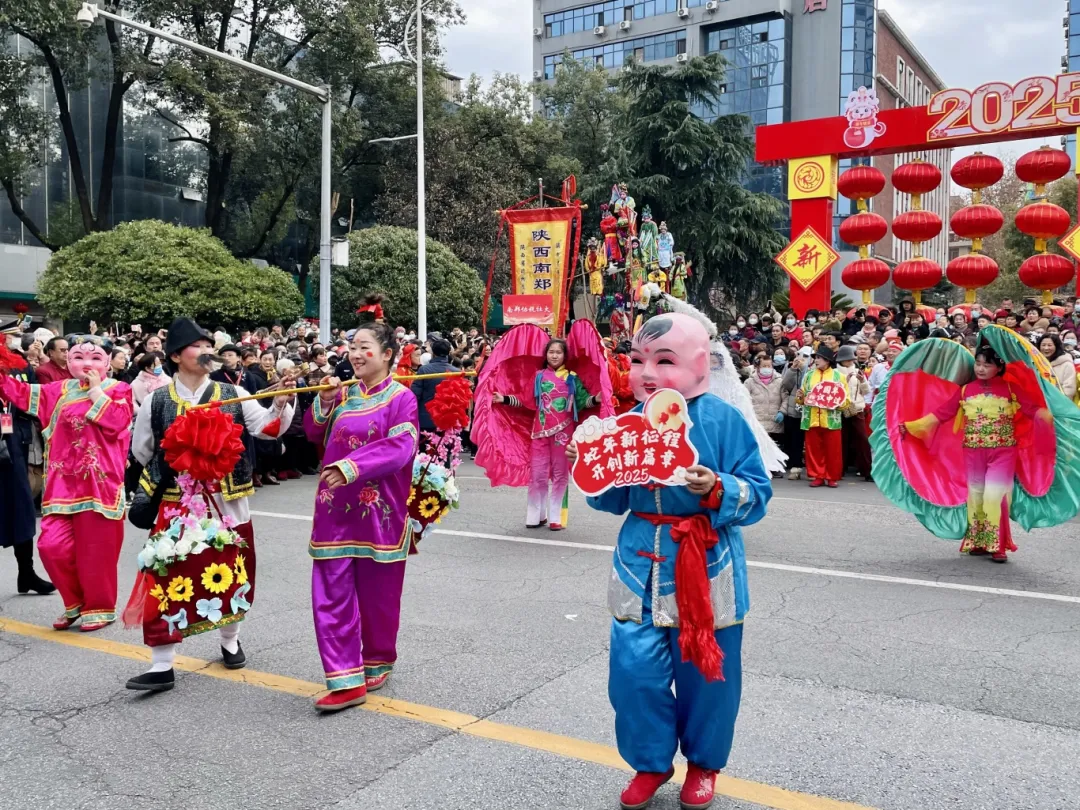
<point x="642" y="788"/>
<point x="90" y="627"/>
<point x="341" y="699"/>
<point x="816" y="482"/>
<point x="832" y="484"/>
<point x="698" y="789"/>
<point x="556" y="527"/>
<point x="63" y="623"/>
<point x="376" y="682"/>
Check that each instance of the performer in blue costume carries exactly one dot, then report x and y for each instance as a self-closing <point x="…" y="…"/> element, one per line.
<point x="678" y="591"/>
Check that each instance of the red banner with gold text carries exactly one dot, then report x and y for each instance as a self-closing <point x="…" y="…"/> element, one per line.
<point x="543" y="251"/>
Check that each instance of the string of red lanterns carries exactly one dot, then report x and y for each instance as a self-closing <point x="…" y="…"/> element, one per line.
<point x="1043" y="220"/>
<point x="862" y="229"/>
<point x="975" y="222"/>
<point x="917" y="226"/>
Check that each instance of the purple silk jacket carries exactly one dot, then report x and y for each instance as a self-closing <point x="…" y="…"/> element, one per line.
<point x="371" y="436"/>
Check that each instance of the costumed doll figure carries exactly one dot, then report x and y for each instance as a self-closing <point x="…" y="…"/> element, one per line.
<point x="658" y="277"/>
<point x="620" y="323"/>
<point x="595" y="264"/>
<point x="361" y="534"/>
<point x="624" y="207"/>
<point x="822" y="419"/>
<point x="678" y="275"/>
<point x="523" y="418"/>
<point x="665" y="248"/>
<point x="558" y="398"/>
<point x="609" y="226"/>
<point x="650" y="240"/>
<point x="678" y="591"/>
<point x="635" y="264"/>
<point x="87" y="431"/>
<point x="967" y="443"/>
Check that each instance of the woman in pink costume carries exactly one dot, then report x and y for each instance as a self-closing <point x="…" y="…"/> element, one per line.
<point x="87" y="429"/>
<point x="361" y="536"/>
<point x="558" y="397"/>
<point x="523" y="418"/>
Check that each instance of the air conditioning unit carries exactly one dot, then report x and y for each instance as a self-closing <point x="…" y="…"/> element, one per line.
<point x="1065" y="62"/>
<point x="711" y="6"/>
<point x="683" y="13"/>
<point x="599" y="30"/>
<point x="538" y="33"/>
<point x="682" y="57"/>
<point x="538" y="75"/>
<point x="624" y="25"/>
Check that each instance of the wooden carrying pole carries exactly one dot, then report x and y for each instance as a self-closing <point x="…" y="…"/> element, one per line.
<point x="290" y="391"/>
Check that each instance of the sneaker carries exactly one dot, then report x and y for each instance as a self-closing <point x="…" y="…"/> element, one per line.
<point x="341" y="699"/>
<point x="642" y="788"/>
<point x="153" y="681"/>
<point x="376" y="682"/>
<point x="236" y="660"/>
<point x="698" y="789"/>
<point x="794" y="474"/>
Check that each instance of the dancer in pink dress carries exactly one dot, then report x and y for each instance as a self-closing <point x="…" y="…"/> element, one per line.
<point x="86" y="426"/>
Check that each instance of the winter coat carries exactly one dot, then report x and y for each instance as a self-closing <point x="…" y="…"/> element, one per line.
<point x="1065" y="372"/>
<point x="767" y="401"/>
<point x="790" y="384"/>
<point x="858" y="388"/>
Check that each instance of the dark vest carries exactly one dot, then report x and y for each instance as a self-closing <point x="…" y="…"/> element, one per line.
<point x="165" y="406"/>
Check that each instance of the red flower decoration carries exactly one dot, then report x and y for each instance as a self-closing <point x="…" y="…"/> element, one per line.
<point x="450" y="408"/>
<point x="369" y="496"/>
<point x="20" y="309"/>
<point x="204" y="443"/>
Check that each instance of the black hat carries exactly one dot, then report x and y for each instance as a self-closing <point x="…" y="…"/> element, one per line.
<point x="182" y="333"/>
<point x="827" y="354"/>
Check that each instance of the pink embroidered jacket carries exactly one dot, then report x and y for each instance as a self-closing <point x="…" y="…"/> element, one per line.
<point x="86" y="444"/>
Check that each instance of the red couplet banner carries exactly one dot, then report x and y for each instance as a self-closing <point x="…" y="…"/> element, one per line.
<point x="544" y="246"/>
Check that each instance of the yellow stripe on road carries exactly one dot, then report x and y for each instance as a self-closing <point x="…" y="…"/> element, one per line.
<point x="582" y="750"/>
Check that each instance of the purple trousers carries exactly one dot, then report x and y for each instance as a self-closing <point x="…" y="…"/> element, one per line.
<point x="357" y="607"/>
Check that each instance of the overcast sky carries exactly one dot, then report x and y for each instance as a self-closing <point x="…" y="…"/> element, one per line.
<point x="968" y="42"/>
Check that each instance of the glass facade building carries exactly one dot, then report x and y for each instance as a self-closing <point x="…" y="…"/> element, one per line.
<point x="857" y="19"/>
<point x="1071" y="61"/>
<point x="615" y="54"/>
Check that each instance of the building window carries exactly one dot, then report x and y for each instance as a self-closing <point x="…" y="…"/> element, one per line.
<point x="643" y="49"/>
<point x="586" y="18"/>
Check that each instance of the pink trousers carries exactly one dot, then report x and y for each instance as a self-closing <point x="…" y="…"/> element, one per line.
<point x="550" y="476"/>
<point x="80" y="553"/>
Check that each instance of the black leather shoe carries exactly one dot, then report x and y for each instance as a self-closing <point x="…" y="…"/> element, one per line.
<point x="235" y="660"/>
<point x="30" y="581"/>
<point x="153" y="681"/>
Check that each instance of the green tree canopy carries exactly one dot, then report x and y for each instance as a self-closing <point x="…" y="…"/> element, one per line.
<point x="151" y="272"/>
<point x="383" y="260"/>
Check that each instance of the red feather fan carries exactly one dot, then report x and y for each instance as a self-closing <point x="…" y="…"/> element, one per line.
<point x="9" y="360"/>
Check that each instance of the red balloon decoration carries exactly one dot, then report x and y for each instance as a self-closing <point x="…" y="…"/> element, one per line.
<point x="863" y="229"/>
<point x="1046" y="272"/>
<point x="860" y="183"/>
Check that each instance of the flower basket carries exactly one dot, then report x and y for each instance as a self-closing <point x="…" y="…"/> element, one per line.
<point x="434" y="493"/>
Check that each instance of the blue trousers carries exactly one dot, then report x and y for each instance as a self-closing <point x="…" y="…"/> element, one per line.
<point x="651" y="722"/>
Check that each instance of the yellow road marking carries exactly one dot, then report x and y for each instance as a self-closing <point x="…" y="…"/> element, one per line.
<point x="741" y="789"/>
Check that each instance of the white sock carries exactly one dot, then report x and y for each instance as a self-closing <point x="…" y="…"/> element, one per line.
<point x="230" y="638"/>
<point x="161" y="658"/>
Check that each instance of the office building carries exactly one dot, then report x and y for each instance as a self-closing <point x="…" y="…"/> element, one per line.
<point x="1070" y="62"/>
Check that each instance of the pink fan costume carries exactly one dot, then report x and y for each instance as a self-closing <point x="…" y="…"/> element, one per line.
<point x="87" y="434"/>
<point x="361" y="536"/>
<point x="986" y="411"/>
<point x="524" y="441"/>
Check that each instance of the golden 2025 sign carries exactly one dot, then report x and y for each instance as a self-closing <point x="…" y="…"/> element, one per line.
<point x="1029" y="105"/>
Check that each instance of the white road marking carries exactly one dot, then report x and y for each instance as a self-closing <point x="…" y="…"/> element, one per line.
<point x="795" y="569"/>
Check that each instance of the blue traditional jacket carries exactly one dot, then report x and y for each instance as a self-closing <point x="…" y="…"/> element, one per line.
<point x="645" y="554"/>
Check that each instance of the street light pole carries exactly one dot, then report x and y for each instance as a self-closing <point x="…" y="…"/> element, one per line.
<point x="89" y="13"/>
<point x="421" y="201"/>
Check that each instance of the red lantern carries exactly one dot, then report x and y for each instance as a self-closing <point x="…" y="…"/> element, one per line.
<point x="1043" y="166"/>
<point x="1046" y="272"/>
<point x="916" y="178"/>
<point x="860" y="183"/>
<point x="1043" y="220"/>
<point x="977" y="172"/>
<point x="977" y="222"/>
<point x="863" y="228"/>
<point x="916" y="226"/>
<point x="971" y="272"/>
<point x="916" y="275"/>
<point x="866" y="275"/>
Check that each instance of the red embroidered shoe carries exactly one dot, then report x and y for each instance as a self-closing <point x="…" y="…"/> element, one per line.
<point x="556" y="527"/>
<point x="63" y="623"/>
<point x="90" y="627"/>
<point x="816" y="482"/>
<point x="698" y="789"/>
<point x="642" y="788"/>
<point x="341" y="699"/>
<point x="376" y="682"/>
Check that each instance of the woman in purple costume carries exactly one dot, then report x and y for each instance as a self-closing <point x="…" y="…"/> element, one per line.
<point x="361" y="537"/>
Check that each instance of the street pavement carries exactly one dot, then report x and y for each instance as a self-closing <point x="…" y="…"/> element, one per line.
<point x="882" y="670"/>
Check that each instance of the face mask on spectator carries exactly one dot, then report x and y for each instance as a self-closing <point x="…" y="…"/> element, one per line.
<point x="811" y="321"/>
<point x="753" y="320"/>
<point x="425" y="358"/>
<point x="790" y="322"/>
<point x="733" y="331"/>
<point x="740" y="324"/>
<point x="1069" y="341"/>
<point x="779" y="359"/>
<point x="765" y="372"/>
<point x="158" y="371"/>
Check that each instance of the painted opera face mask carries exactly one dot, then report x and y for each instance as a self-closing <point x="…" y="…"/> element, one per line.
<point x="670" y="351"/>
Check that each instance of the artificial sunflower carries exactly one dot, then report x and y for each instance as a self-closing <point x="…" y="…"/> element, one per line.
<point x="157" y="593"/>
<point x="217" y="578"/>
<point x="181" y="589"/>
<point x="240" y="570"/>
<point x="429" y="507"/>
